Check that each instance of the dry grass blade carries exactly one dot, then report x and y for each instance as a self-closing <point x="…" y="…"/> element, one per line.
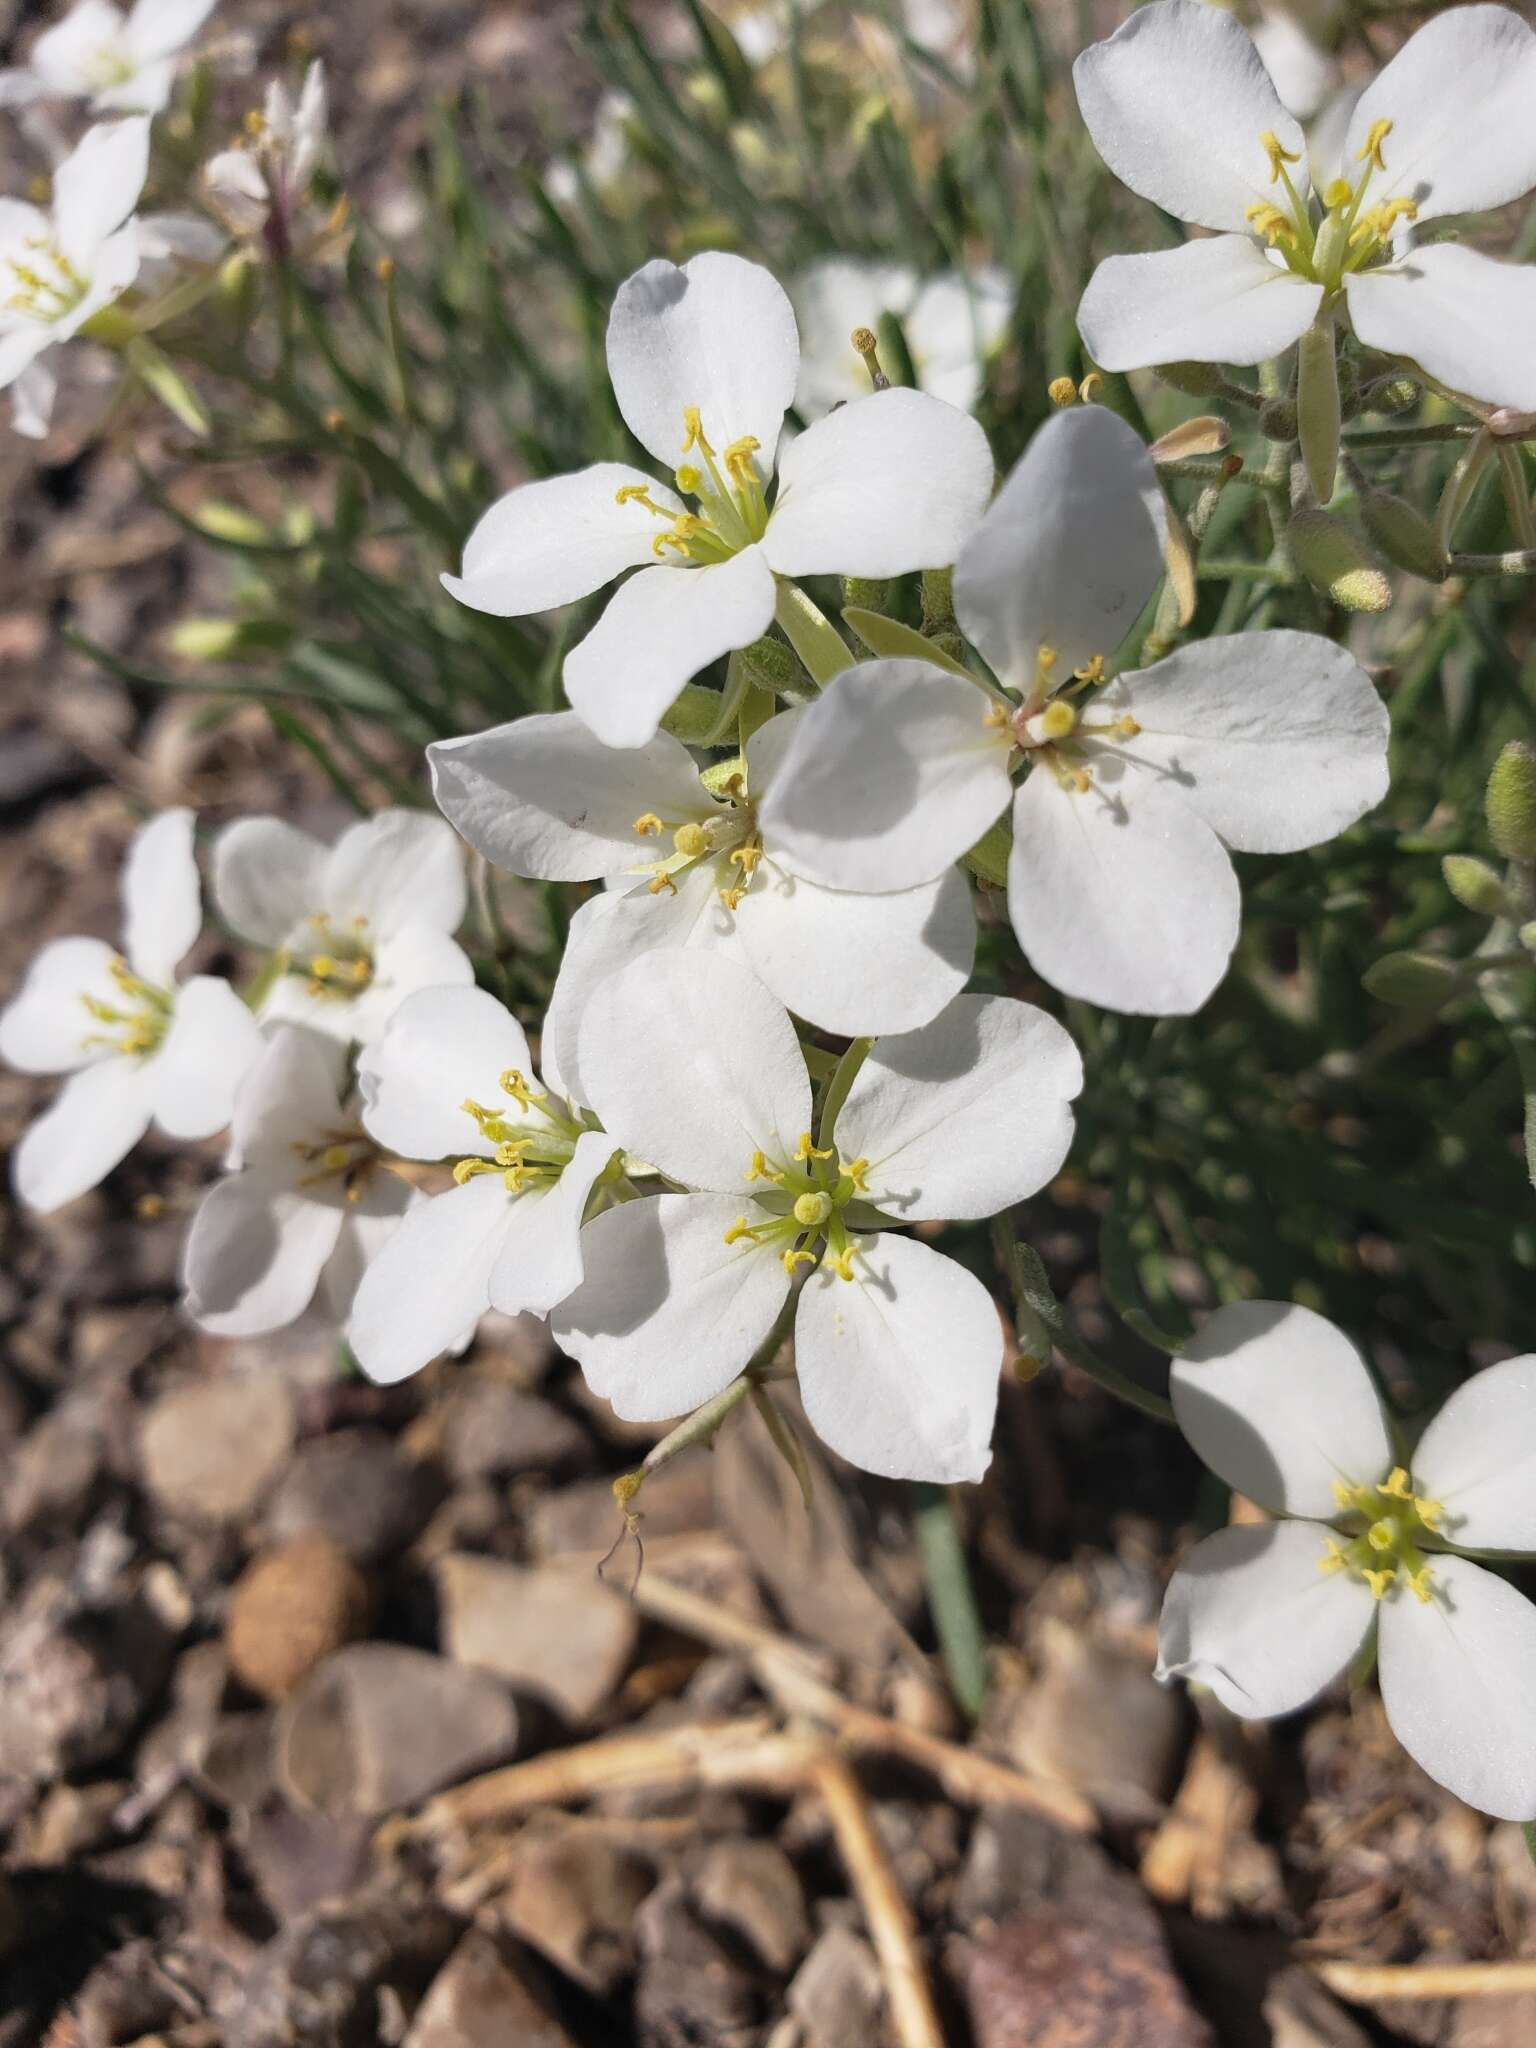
<point x="1366" y="1983"/>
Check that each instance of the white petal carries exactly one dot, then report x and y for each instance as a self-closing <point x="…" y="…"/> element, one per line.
<point x="893" y="482"/>
<point x="1478" y="1458"/>
<point x="63" y="53"/>
<point x="253" y="1255"/>
<point x="898" y="1367"/>
<point x="605" y="935"/>
<point x="432" y="1279"/>
<point x="1069" y="552"/>
<point x="967" y="1115"/>
<point x="45" y="1026"/>
<point x="366" y="1228"/>
<point x="831" y="299"/>
<point x="1252" y="1614"/>
<point x="97" y="186"/>
<point x="660" y="629"/>
<point x="1459" y="96"/>
<point x="544" y="797"/>
<point x="19" y="351"/>
<point x="1462" y="316"/>
<point x="1278" y="740"/>
<point x="159" y="28"/>
<point x="548" y="543"/>
<point x="267" y="878"/>
<point x="33" y="393"/>
<point x="541" y="1262"/>
<point x="147" y="92"/>
<point x="669" y="1312"/>
<point x="719" y="335"/>
<point x="289" y="1096"/>
<point x="690" y="1062"/>
<point x="1458" y="1675"/>
<point x="212" y="1044"/>
<point x="890" y="776"/>
<point x="1215" y="301"/>
<point x="854" y="964"/>
<point x="1277" y="1402"/>
<point x="1121" y="895"/>
<point x="1176" y="102"/>
<point x="396" y="869"/>
<point x="441" y="1046"/>
<point x="1302" y="73"/>
<point x="96" y="1119"/>
<point x="418" y="956"/>
<point x="162" y="900"/>
<point x="953" y="325"/>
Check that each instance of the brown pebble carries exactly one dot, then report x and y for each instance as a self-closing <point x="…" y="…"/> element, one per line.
<point x="289" y="1608"/>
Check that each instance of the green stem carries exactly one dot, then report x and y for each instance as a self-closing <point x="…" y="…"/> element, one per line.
<point x="951" y="1596"/>
<point x="1409" y="437"/>
<point x="1516" y="562"/>
<point x="838" y="1087"/>
<point x="1038" y="1307"/>
<point x="812" y="634"/>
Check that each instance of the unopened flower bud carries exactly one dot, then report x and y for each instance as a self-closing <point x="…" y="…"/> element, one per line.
<point x="694" y="715"/>
<point x="205" y="639"/>
<point x="1403" y="534"/>
<point x="1195" y="380"/>
<point x="1277" y="420"/>
<point x="1336" y="561"/>
<point x="1317" y="407"/>
<point x="221" y="521"/>
<point x="1411" y="981"/>
<point x="1527" y="936"/>
<point x="868" y="593"/>
<point x="772" y="666"/>
<point x="1511" y="802"/>
<point x="1398" y="396"/>
<point x="1474" y="884"/>
<point x="938" y="599"/>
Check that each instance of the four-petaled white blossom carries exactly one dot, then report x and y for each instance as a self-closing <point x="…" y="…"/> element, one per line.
<point x="1277" y="1401"/>
<point x="1120" y="888"/>
<point x="304" y="1204"/>
<point x="355" y="927"/>
<point x="120" y="63"/>
<point x="951" y="323"/>
<point x="59" y="269"/>
<point x="138" y="1048"/>
<point x="703" y="361"/>
<point x="694" y="1067"/>
<point x="1181" y="108"/>
<point x="258" y="187"/>
<point x="451" y="1079"/>
<point x="544" y="797"/>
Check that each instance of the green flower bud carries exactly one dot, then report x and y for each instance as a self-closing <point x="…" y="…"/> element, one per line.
<point x="1511" y="802"/>
<point x="869" y="593"/>
<point x="938" y="599"/>
<point x="1398" y="396"/>
<point x="1403" y="534"/>
<point x="1277" y="420"/>
<point x="1317" y="407"/>
<point x="1195" y="380"/>
<point x="771" y="665"/>
<point x="1527" y="936"/>
<point x="228" y="522"/>
<point x="205" y="639"/>
<point x="1336" y="561"/>
<point x="694" y="715"/>
<point x="1475" y="884"/>
<point x="1411" y="981"/>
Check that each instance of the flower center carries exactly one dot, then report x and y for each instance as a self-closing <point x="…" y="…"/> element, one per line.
<point x="730" y="509"/>
<point x="1342" y="235"/>
<point x="730" y="838"/>
<point x="108" y="66"/>
<point x="816" y="1184"/>
<point x="533" y="1142"/>
<point x="138" y="1027"/>
<point x="335" y="963"/>
<point x="346" y="1155"/>
<point x="1383" y="1527"/>
<point x="43" y="285"/>
<point x="1047" y="725"/>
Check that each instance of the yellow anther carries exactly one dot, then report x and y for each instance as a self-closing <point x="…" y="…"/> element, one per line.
<point x="1397" y="1484"/>
<point x="761" y="1170"/>
<point x="841" y="1262"/>
<point x="746" y="857"/>
<point x="690" y="840"/>
<point x="255" y="124"/>
<point x="515" y="1178"/>
<point x="1377" y="222"/>
<point x="855" y="1171"/>
<point x="694" y="431"/>
<point x="1344" y="1493"/>
<point x="731" y="898"/>
<point x="1420" y="1581"/>
<point x="1057" y="721"/>
<point x="1127" y="727"/>
<point x="739" y="1229"/>
<point x="1380" y="1582"/>
<point x="335" y="1157"/>
<point x="512" y="1083"/>
<point x="738" y="459"/>
<point x="812" y="1210"/>
<point x="998" y="716"/>
<point x="805" y="1150"/>
<point x="640" y="494"/>
<point x="1061" y="391"/>
<point x="1379" y="131"/>
<point x="689" y="479"/>
<point x="648" y="825"/>
<point x="864" y="341"/>
<point x="468" y="1168"/>
<point x="1270" y="222"/>
<point x="1333" y="1558"/>
<point x="1092" y="670"/>
<point x="1278" y="154"/>
<point x="661" y="884"/>
<point x="1046" y="659"/>
<point x="103" y="1012"/>
<point x="1090" y="387"/>
<point x="1081" y="781"/>
<point x="790" y="1259"/>
<point x="322" y="967"/>
<point x="1430" y="1512"/>
<point x="677" y="535"/>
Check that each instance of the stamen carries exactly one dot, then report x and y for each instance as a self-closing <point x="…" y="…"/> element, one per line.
<point x="690" y="840"/>
<point x="661" y="883"/>
<point x="1092" y="670"/>
<point x="805" y="1150"/>
<point x="738" y="459"/>
<point x="694" y="434"/>
<point x="1270" y="222"/>
<point x="1278" y="154"/>
<point x="640" y="494"/>
<point x="795" y="1257"/>
<point x="867" y="346"/>
<point x="512" y="1083"/>
<point x="648" y="825"/>
<point x="1061" y="391"/>
<point x="1379" y="131"/>
<point x="841" y="1262"/>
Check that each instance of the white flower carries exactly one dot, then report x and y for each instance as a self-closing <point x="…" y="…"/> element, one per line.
<point x="693" y="1065"/>
<point x="604" y="158"/>
<point x="703" y="362"/>
<point x="951" y="323"/>
<point x="1182" y="109"/>
<point x="356" y="927"/>
<point x="258" y="188"/>
<point x="1277" y="1401"/>
<point x="544" y="797"/>
<point x="137" y="1048"/>
<point x="59" y="269"/>
<point x="121" y="64"/>
<point x="452" y="1079"/>
<point x="1119" y="884"/>
<point x="304" y="1205"/>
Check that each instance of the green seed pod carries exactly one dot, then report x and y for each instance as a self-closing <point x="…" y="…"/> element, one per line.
<point x="1277" y="420"/>
<point x="1511" y="802"/>
<point x="1475" y="885"/>
<point x="1335" y="560"/>
<point x="1403" y="534"/>
<point x="1411" y="981"/>
<point x="1195" y="380"/>
<point x="1317" y="407"/>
